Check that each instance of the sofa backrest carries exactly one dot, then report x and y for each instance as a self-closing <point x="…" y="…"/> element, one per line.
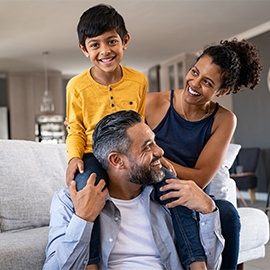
<point x="30" y="173"/>
<point x="222" y="186"/>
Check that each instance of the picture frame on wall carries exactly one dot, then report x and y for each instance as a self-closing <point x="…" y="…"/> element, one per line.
<point x="154" y="79"/>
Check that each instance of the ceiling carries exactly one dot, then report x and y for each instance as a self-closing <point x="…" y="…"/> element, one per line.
<point x="159" y="30"/>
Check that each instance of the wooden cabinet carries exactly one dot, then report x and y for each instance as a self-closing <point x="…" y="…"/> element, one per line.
<point x="173" y="71"/>
<point x="25" y="92"/>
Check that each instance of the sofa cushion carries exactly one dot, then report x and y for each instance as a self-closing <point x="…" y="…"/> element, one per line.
<point x="220" y="183"/>
<point x="23" y="249"/>
<point x="254" y="233"/>
<point x="30" y="172"/>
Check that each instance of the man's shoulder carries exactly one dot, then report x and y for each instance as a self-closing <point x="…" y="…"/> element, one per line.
<point x="62" y="196"/>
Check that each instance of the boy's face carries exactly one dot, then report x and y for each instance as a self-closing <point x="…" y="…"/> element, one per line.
<point x="105" y="51"/>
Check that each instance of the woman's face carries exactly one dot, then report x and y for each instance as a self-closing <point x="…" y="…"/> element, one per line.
<point x="203" y="81"/>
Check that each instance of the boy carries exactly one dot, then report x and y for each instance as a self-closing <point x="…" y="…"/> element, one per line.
<point x="105" y="88"/>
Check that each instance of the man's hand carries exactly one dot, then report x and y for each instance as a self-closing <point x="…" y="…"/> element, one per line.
<point x="89" y="201"/>
<point x="187" y="193"/>
<point x="73" y="165"/>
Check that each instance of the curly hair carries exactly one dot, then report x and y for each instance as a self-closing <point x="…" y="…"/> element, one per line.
<point x="239" y="62"/>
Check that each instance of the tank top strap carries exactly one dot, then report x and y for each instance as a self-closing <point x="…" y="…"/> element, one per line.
<point x="216" y="109"/>
<point x="171" y="98"/>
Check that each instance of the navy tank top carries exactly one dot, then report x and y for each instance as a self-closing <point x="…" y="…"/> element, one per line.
<point x="182" y="140"/>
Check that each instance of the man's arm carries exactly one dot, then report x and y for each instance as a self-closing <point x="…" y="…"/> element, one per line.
<point x="187" y="193"/>
<point x="71" y="224"/>
<point x="211" y="238"/>
<point x="69" y="236"/>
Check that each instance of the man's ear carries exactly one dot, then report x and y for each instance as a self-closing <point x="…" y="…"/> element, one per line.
<point x="84" y="51"/>
<point x="116" y="160"/>
<point x="126" y="41"/>
<point x="223" y="92"/>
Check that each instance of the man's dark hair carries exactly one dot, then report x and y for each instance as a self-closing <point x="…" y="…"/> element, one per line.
<point x="98" y="20"/>
<point x="110" y="134"/>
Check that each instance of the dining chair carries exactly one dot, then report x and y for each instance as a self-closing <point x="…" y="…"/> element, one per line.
<point x="246" y="179"/>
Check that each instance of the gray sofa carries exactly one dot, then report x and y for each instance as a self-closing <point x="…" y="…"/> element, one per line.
<point x="31" y="172"/>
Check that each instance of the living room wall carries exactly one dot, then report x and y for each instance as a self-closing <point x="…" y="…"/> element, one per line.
<point x="252" y="109"/>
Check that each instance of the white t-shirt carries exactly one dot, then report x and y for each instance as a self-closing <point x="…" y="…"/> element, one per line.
<point x="135" y="247"/>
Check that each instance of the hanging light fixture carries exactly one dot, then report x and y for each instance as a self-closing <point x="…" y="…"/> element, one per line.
<point x="47" y="104"/>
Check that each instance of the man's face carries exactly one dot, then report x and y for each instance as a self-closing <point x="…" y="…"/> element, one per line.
<point x="144" y="156"/>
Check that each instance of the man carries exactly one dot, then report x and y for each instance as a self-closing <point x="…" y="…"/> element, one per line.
<point x="136" y="231"/>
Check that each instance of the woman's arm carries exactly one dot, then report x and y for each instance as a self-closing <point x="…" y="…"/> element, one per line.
<point x="213" y="152"/>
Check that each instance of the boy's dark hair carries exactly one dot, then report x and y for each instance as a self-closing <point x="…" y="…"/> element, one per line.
<point x="98" y="20"/>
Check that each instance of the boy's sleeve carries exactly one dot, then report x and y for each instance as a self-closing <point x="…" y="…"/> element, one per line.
<point x="76" y="137"/>
<point x="141" y="109"/>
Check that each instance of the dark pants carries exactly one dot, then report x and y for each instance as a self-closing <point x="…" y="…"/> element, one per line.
<point x="185" y="224"/>
<point x="91" y="165"/>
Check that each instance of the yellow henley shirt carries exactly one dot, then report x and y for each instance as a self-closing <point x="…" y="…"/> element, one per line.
<point x="88" y="102"/>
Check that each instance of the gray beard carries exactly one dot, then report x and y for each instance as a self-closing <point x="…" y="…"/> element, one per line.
<point x="144" y="176"/>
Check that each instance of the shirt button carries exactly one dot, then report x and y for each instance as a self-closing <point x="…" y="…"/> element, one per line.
<point x="130" y="103"/>
<point x="111" y="97"/>
<point x="203" y="224"/>
<point x="110" y="89"/>
<point x="110" y="240"/>
<point x="112" y="105"/>
<point x="116" y="218"/>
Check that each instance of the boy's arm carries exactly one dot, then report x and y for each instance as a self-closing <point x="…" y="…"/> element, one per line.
<point x="141" y="109"/>
<point x="76" y="137"/>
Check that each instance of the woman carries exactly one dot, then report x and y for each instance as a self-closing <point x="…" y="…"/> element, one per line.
<point x="195" y="131"/>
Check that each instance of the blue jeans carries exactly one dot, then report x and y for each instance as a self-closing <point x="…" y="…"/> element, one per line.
<point x="187" y="234"/>
<point x="185" y="224"/>
<point x="91" y="165"/>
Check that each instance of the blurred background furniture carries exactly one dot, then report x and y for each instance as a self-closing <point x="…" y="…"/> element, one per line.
<point x="267" y="207"/>
<point x="254" y="232"/>
<point x="244" y="175"/>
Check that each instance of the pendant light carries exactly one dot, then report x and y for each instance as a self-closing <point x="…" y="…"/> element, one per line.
<point x="47" y="105"/>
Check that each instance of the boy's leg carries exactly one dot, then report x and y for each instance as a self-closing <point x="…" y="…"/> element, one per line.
<point x="91" y="165"/>
<point x="185" y="227"/>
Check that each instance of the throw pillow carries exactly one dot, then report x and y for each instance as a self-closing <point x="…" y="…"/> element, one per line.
<point x="219" y="184"/>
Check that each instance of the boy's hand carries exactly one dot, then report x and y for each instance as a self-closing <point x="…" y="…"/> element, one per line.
<point x="73" y="165"/>
<point x="89" y="201"/>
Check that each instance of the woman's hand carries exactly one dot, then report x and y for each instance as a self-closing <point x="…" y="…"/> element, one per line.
<point x="168" y="165"/>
